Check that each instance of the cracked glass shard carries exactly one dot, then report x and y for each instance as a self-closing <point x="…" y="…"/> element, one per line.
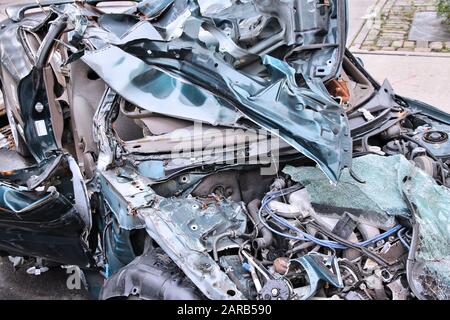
<point x="379" y="200"/>
<point x="431" y="271"/>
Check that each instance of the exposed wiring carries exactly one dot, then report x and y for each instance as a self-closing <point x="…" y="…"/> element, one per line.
<point x="216" y="241"/>
<point x="105" y="230"/>
<point x="303" y="235"/>
<point x="403" y="240"/>
<point x="356" y="177"/>
<point x="231" y="234"/>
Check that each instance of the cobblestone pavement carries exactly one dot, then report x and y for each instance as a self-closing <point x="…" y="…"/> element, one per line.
<point x="389" y="25"/>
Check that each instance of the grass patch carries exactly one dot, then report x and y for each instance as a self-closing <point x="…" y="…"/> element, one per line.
<point x="443" y="7"/>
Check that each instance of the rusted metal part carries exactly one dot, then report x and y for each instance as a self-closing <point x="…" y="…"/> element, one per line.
<point x="281" y="265"/>
<point x="339" y="89"/>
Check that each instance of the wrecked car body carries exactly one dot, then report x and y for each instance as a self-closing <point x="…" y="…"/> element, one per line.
<point x="184" y="149"/>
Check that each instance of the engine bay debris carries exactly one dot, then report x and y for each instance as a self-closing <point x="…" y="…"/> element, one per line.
<point x="185" y="149"/>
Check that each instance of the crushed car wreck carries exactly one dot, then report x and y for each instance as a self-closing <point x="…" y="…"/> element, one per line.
<point x="184" y="149"/>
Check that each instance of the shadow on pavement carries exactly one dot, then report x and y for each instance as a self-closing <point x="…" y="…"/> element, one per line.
<point x="18" y="285"/>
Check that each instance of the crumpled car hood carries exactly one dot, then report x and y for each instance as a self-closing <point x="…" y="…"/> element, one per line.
<point x="201" y="57"/>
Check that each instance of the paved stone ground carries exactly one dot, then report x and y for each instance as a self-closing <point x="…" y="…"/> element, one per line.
<point x="418" y="75"/>
<point x="389" y="27"/>
<point x="422" y="78"/>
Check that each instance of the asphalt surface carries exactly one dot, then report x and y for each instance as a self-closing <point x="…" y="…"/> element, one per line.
<point x="18" y="284"/>
<point x="51" y="285"/>
<point x="421" y="76"/>
<point x="358" y="12"/>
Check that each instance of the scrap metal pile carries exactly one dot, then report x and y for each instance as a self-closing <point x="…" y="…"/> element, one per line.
<point x="227" y="149"/>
